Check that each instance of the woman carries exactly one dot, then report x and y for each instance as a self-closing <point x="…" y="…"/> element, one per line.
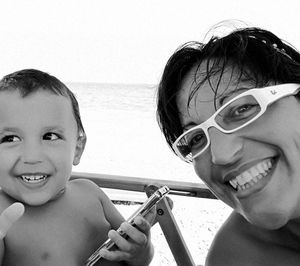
<point x="231" y="108"/>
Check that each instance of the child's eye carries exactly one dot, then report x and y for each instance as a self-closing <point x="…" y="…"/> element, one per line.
<point x="51" y="136"/>
<point x="9" y="138"/>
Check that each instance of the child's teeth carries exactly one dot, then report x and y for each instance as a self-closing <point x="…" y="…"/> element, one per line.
<point x="33" y="178"/>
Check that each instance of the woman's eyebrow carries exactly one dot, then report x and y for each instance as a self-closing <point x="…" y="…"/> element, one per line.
<point x="189" y="125"/>
<point x="227" y="94"/>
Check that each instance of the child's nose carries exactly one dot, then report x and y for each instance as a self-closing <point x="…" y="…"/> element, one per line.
<point x="225" y="148"/>
<point x="32" y="153"/>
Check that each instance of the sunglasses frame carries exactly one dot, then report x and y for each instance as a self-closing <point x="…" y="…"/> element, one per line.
<point x="265" y="96"/>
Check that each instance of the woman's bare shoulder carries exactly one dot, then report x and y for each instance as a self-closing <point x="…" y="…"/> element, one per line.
<point x="234" y="244"/>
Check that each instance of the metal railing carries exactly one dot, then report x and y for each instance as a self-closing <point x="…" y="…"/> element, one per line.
<point x="139" y="184"/>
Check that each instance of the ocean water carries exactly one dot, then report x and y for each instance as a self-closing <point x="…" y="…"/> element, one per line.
<point x="123" y="135"/>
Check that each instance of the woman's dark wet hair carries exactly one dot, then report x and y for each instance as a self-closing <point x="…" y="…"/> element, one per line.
<point x="258" y="55"/>
<point x="28" y="81"/>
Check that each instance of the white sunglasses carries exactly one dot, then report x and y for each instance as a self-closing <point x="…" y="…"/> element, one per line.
<point x="232" y="116"/>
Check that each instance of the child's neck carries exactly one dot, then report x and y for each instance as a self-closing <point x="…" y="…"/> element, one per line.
<point x="59" y="193"/>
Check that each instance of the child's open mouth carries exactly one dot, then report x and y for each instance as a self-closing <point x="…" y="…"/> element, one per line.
<point x="33" y="179"/>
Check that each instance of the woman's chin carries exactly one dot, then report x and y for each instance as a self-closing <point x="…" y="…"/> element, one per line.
<point x="269" y="221"/>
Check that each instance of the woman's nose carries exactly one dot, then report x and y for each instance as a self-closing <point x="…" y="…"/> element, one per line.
<point x="225" y="148"/>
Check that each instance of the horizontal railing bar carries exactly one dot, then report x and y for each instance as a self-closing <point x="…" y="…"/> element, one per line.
<point x="139" y="184"/>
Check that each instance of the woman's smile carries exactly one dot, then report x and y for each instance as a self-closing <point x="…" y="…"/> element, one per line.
<point x="252" y="180"/>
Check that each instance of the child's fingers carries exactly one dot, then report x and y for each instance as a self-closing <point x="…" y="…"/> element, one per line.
<point x="135" y="235"/>
<point x="150" y="216"/>
<point x="138" y="234"/>
<point x="144" y="224"/>
<point x="119" y="240"/>
<point x="9" y="216"/>
<point x="115" y="255"/>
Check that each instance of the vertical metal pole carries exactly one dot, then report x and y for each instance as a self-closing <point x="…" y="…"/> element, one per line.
<point x="171" y="231"/>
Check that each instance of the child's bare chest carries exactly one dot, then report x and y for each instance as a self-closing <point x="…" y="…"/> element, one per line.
<point x="59" y="239"/>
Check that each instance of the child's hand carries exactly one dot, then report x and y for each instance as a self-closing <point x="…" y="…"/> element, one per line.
<point x="137" y="249"/>
<point x="9" y="216"/>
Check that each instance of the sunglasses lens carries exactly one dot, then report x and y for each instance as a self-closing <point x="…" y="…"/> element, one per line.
<point x="238" y="113"/>
<point x="192" y="143"/>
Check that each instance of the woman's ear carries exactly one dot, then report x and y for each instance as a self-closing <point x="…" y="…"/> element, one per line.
<point x="81" y="141"/>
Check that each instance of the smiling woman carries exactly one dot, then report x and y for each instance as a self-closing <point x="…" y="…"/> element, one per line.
<point x="231" y="108"/>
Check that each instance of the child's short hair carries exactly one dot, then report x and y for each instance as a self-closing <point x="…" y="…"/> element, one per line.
<point x="28" y="81"/>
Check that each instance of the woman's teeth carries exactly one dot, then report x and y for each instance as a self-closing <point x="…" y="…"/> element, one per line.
<point x="33" y="178"/>
<point x="251" y="176"/>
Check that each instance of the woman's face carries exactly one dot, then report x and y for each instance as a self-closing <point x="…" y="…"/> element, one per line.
<point x="266" y="151"/>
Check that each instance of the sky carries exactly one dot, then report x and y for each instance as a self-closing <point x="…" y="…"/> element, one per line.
<point x="122" y="41"/>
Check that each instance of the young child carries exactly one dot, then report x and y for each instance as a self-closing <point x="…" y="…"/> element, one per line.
<point x="41" y="137"/>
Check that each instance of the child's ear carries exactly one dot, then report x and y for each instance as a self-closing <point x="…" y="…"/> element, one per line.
<point x="79" y="149"/>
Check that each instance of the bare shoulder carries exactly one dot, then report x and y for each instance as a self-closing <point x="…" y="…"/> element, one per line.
<point x="87" y="186"/>
<point x="235" y="243"/>
<point x="84" y="183"/>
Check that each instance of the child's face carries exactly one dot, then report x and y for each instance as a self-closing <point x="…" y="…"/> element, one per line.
<point x="38" y="145"/>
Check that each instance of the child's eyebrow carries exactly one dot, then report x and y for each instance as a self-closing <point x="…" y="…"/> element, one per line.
<point x="13" y="129"/>
<point x="56" y="128"/>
